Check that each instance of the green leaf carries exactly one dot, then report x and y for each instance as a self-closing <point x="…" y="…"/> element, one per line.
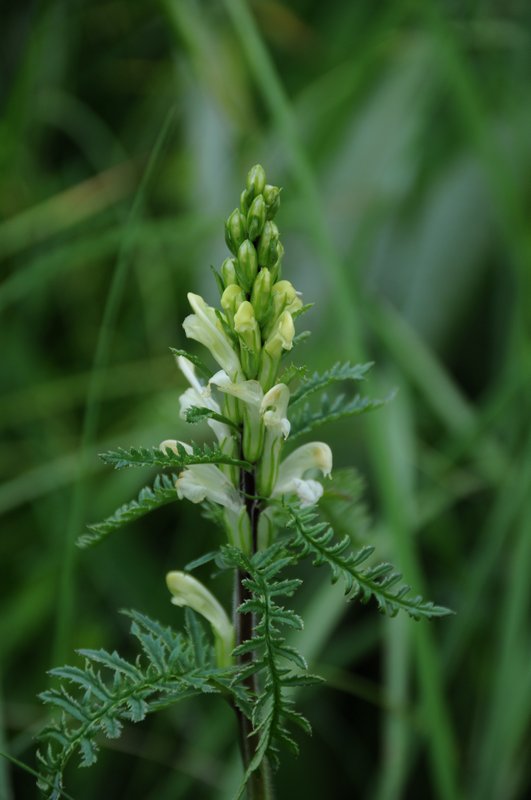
<point x="380" y="582"/>
<point x="154" y="457"/>
<point x="199" y="414"/>
<point x="302" y="310"/>
<point x="195" y="360"/>
<point x="149" y="499"/>
<point x="206" y="558"/>
<point x="273" y="657"/>
<point x="171" y="667"/>
<point x="292" y="373"/>
<point x="218" y="279"/>
<point x="306" y="420"/>
<point x="338" y="373"/>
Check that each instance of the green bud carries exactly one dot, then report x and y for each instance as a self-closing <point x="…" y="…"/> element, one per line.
<point x="239" y="531"/>
<point x="268" y="245"/>
<point x="248" y="330"/>
<point x="266" y="529"/>
<point x="261" y="294"/>
<point x="231" y="408"/>
<point x="256" y="217"/>
<point x="231" y="300"/>
<point x="253" y="433"/>
<point x="246" y="265"/>
<point x="267" y="472"/>
<point x="272" y="200"/>
<point x="235" y="230"/>
<point x="281" y="338"/>
<point x="228" y="271"/>
<point x="283" y="298"/>
<point x="276" y="268"/>
<point x="256" y="180"/>
<point x="245" y="202"/>
<point x="230" y="447"/>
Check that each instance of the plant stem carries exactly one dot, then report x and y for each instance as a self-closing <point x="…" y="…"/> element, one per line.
<point x="259" y="786"/>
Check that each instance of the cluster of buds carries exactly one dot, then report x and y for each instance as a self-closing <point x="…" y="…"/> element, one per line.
<point x="247" y="338"/>
<point x="258" y="305"/>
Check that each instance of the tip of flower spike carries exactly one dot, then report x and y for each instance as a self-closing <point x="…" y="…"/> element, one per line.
<point x="256" y="180"/>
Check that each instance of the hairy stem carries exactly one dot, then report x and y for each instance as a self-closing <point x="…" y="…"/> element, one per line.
<point x="259" y="786"/>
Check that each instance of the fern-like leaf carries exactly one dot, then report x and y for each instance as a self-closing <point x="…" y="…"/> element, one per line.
<point x="149" y="499"/>
<point x="302" y="310"/>
<point x="193" y="359"/>
<point x="380" y="582"/>
<point x="293" y="372"/>
<point x="338" y="373"/>
<point x="273" y="713"/>
<point x="305" y="420"/>
<point x="154" y="457"/>
<point x="109" y="691"/>
<point x="196" y="414"/>
<point x="297" y="340"/>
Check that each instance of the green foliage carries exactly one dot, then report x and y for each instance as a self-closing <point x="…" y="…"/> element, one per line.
<point x="196" y="414"/>
<point x="307" y="419"/>
<point x="154" y="457"/>
<point x="293" y="372"/>
<point x="273" y="711"/>
<point x="198" y="363"/>
<point x="302" y="310"/>
<point x="301" y="337"/>
<point x="172" y="666"/>
<point x="380" y="582"/>
<point x="318" y="381"/>
<point x="149" y="499"/>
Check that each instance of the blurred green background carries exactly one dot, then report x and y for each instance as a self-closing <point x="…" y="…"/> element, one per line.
<point x="401" y="133"/>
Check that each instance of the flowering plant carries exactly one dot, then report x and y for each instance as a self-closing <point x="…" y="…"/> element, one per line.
<point x="265" y="502"/>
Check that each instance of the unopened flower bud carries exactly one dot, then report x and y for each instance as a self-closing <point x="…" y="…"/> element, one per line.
<point x="246" y="265"/>
<point x="261" y="295"/>
<point x="231" y="300"/>
<point x="281" y="338"/>
<point x="245" y="202"/>
<point x="256" y="217"/>
<point x="235" y="230"/>
<point x="283" y="298"/>
<point x="248" y="330"/>
<point x="268" y="245"/>
<point x="256" y="180"/>
<point x="276" y="273"/>
<point x="228" y="271"/>
<point x="188" y="591"/>
<point x="272" y="200"/>
<point x="238" y="528"/>
<point x="266" y="529"/>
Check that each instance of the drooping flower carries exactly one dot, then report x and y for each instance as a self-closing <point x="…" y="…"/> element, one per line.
<point x="314" y="455"/>
<point x="200" y="482"/>
<point x="274" y="410"/>
<point x="204" y="327"/>
<point x="263" y="413"/>
<point x="200" y="397"/>
<point x="188" y="591"/>
<point x="206" y="482"/>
